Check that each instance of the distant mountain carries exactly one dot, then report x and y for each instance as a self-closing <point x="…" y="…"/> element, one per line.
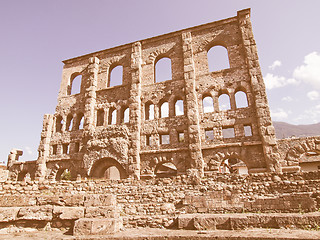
<point x="285" y="130"/>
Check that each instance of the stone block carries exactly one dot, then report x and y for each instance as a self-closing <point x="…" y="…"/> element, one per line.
<point x="4" y="174"/>
<point x="185" y="221"/>
<point x="8" y="214"/>
<point x="68" y="213"/>
<point x="97" y="226"/>
<point x="40" y="213"/>
<point x="16" y="200"/>
<point x="74" y="199"/>
<point x="94" y="200"/>
<point x="212" y="222"/>
<point x="102" y="212"/>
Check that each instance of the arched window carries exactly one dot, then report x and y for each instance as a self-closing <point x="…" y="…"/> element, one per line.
<point x="59" y="123"/>
<point x="69" y="122"/>
<point x="218" y="58"/>
<point x="241" y="99"/>
<point x="149" y="111"/>
<point x="80" y="120"/>
<point x="125" y="115"/>
<point x="100" y="117"/>
<point x="116" y="76"/>
<point x="75" y="86"/>
<point x="178" y="107"/>
<point x="164" y="110"/>
<point x="224" y="102"/>
<point x="112" y="116"/>
<point x="163" y="70"/>
<point x="207" y="104"/>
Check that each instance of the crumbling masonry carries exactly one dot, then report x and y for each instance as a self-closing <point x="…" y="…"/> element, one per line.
<point x="144" y="127"/>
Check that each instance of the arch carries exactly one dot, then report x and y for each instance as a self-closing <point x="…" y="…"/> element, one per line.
<point x="107" y="168"/>
<point x="164" y="110"/>
<point x="75" y="84"/>
<point x="100" y="117"/>
<point x="241" y="99"/>
<point x="59" y="123"/>
<point x="207" y="104"/>
<point x="218" y="58"/>
<point x="112" y="116"/>
<point x="125" y="115"/>
<point x="69" y="122"/>
<point x="149" y="111"/>
<point x="115" y="76"/>
<point x="64" y="174"/>
<point x="162" y="69"/>
<point x="80" y="121"/>
<point x="224" y="102"/>
<point x="178" y="107"/>
<point x="165" y="169"/>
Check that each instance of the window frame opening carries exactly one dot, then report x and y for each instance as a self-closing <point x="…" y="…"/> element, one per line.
<point x="218" y="58"/>
<point x="207" y="107"/>
<point x="177" y="105"/>
<point x="224" y="104"/>
<point x="241" y="100"/>
<point x="228" y="132"/>
<point x="75" y="88"/>
<point x="246" y="129"/>
<point x="149" y="111"/>
<point x="115" y="77"/>
<point x="164" y="139"/>
<point x="112" y="119"/>
<point x="162" y="69"/>
<point x="100" y="117"/>
<point x="209" y="134"/>
<point x="164" y="109"/>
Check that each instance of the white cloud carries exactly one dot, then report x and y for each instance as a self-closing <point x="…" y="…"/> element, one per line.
<point x="311" y="115"/>
<point x="29" y="151"/>
<point x="279" y="114"/>
<point x="287" y="99"/>
<point x="313" y="95"/>
<point x="275" y="64"/>
<point x="309" y="72"/>
<point x="274" y="81"/>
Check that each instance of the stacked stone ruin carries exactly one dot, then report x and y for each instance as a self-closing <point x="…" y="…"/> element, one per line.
<point x="146" y="129"/>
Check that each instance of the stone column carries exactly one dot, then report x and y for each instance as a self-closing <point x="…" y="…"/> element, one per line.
<point x="192" y="105"/>
<point x="91" y="80"/>
<point x="44" y="147"/>
<point x="265" y="126"/>
<point x="135" y="111"/>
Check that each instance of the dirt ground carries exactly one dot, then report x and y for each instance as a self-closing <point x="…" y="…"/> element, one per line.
<point x="159" y="234"/>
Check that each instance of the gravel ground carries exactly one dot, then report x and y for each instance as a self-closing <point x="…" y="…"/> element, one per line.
<point x="158" y="234"/>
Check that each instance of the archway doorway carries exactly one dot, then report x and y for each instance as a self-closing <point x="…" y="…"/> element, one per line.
<point x="107" y="168"/>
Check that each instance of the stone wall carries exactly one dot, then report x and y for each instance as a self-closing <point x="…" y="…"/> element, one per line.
<point x="157" y="202"/>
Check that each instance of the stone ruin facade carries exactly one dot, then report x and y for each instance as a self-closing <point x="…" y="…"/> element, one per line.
<point x="142" y="127"/>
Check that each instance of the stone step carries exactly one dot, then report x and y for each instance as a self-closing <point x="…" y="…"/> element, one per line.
<point x="97" y="226"/>
<point x="248" y="220"/>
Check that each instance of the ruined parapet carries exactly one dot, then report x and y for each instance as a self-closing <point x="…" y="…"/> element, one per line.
<point x="13" y="157"/>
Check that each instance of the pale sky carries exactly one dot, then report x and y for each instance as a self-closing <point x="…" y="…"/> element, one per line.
<point x="36" y="35"/>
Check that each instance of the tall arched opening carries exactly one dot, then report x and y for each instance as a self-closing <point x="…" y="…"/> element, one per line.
<point x="107" y="168"/>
